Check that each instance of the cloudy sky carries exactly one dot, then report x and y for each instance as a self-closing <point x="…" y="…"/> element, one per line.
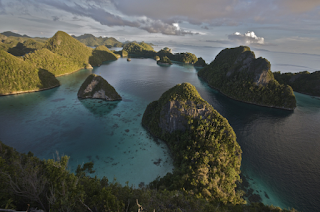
<point x="277" y="25"/>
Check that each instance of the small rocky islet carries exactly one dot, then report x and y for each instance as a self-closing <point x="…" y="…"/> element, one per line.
<point x="96" y="87"/>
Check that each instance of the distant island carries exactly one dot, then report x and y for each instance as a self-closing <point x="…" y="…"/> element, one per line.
<point x="144" y="50"/>
<point x="302" y="82"/>
<point x="207" y="157"/>
<point x="91" y="40"/>
<point x="239" y="75"/>
<point x="164" y="61"/>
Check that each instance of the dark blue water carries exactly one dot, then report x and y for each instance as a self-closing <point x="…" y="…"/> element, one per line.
<point x="280" y="148"/>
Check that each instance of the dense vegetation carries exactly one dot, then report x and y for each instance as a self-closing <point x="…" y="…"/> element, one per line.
<point x="302" y="82"/>
<point x="59" y="55"/>
<point x="91" y="40"/>
<point x="51" y="62"/>
<point x="200" y="62"/>
<point x="18" y="75"/>
<point x="101" y="54"/>
<point x="66" y="46"/>
<point x="164" y="60"/>
<point x="179" y="57"/>
<point x="207" y="156"/>
<point x="122" y="53"/>
<point x="237" y="74"/>
<point x="20" y="46"/>
<point x="48" y="185"/>
<point x="13" y="34"/>
<point x="97" y="84"/>
<point x="142" y="49"/>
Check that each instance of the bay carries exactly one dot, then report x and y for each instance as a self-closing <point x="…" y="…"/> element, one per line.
<point x="280" y="157"/>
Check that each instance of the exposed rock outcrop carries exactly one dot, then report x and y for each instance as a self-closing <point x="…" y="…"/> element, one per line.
<point x="173" y="114"/>
<point x="239" y="75"/>
<point x="157" y="58"/>
<point x="88" y="66"/>
<point x="98" y="88"/>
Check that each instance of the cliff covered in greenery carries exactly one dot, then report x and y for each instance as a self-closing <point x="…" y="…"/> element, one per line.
<point x="207" y="157"/>
<point x="187" y="57"/>
<point x="18" y="76"/>
<point x="200" y="62"/>
<point x="238" y="74"/>
<point x="164" y="60"/>
<point x="96" y="87"/>
<point x="302" y="82"/>
<point x="51" y="62"/>
<point x="68" y="47"/>
<point x="19" y="46"/>
<point x="101" y="54"/>
<point x="142" y="49"/>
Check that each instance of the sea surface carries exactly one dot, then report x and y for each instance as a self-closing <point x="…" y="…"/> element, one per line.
<point x="280" y="160"/>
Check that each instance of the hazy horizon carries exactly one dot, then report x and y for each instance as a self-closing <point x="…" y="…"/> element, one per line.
<point x="281" y="26"/>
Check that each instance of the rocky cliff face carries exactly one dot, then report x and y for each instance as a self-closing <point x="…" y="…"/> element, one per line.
<point x="98" y="88"/>
<point x="238" y="74"/>
<point x="173" y="114"/>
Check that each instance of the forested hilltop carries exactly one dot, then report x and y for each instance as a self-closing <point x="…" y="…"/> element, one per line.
<point x="207" y="157"/>
<point x="302" y="82"/>
<point x="42" y="61"/>
<point x="18" y="75"/>
<point x="19" y="45"/>
<point x="239" y="75"/>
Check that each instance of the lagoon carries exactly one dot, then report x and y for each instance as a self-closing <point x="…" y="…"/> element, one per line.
<point x="280" y="159"/>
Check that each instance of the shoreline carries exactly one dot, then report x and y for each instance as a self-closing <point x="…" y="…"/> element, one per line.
<point x="29" y="91"/>
<point x="287" y="109"/>
<point x="307" y="94"/>
<point x="71" y="72"/>
<point x="43" y="89"/>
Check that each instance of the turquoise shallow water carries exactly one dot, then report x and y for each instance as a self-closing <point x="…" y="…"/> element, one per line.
<point x="280" y="148"/>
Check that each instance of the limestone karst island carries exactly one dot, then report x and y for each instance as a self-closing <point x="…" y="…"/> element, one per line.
<point x="200" y="143"/>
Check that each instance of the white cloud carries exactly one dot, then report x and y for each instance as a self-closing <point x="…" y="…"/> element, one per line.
<point x="246" y="38"/>
<point x="158" y="26"/>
